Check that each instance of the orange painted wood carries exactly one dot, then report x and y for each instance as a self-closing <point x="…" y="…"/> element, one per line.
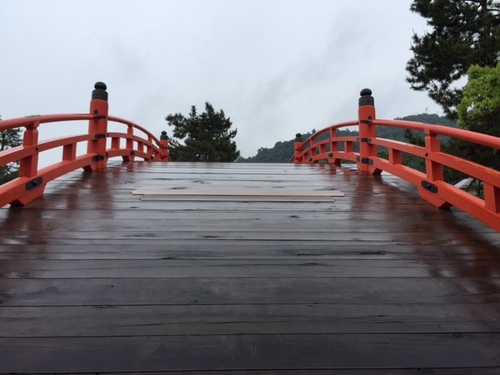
<point x="16" y="192"/>
<point x="431" y="184"/>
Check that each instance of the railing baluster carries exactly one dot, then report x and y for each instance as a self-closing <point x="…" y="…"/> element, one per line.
<point x="130" y="141"/>
<point x="334" y="146"/>
<point x="434" y="170"/>
<point x="395" y="157"/>
<point x="28" y="166"/>
<point x="69" y="152"/>
<point x="492" y="197"/>
<point x="149" y="147"/>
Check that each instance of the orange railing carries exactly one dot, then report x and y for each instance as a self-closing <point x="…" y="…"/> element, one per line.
<point x="326" y="146"/>
<point x="100" y="146"/>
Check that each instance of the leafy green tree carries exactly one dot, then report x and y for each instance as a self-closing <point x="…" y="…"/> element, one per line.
<point x="479" y="111"/>
<point x="8" y="139"/>
<point x="205" y="137"/>
<point x="464" y="33"/>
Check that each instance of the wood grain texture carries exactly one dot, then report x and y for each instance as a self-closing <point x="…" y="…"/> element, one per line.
<point x="94" y="279"/>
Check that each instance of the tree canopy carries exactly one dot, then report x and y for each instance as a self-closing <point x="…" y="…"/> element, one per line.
<point x="464" y="33"/>
<point x="479" y="111"/>
<point x="202" y="137"/>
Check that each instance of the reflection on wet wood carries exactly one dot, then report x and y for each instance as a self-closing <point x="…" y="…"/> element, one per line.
<point x="94" y="279"/>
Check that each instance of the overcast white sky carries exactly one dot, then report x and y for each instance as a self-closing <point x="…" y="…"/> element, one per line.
<point x="276" y="67"/>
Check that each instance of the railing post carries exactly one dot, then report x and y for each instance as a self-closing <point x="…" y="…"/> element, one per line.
<point x="434" y="173"/>
<point x="492" y="198"/>
<point x="433" y="169"/>
<point x="165" y="155"/>
<point x="98" y="128"/>
<point x="367" y="132"/>
<point x="334" y="148"/>
<point x="149" y="147"/>
<point x="28" y="166"/>
<point x="298" y="149"/>
<point x="129" y="144"/>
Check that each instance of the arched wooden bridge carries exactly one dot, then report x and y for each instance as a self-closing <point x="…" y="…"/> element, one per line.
<point x="310" y="267"/>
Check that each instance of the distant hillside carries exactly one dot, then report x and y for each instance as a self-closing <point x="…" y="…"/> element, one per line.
<point x="283" y="150"/>
<point x="400" y="135"/>
<point x="429" y="119"/>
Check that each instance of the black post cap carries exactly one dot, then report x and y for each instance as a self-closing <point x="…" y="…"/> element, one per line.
<point x="100" y="91"/>
<point x="298" y="137"/>
<point x="163" y="136"/>
<point x="366" y="98"/>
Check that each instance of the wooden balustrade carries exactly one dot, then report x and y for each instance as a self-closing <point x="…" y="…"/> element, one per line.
<point x="325" y="146"/>
<point x="101" y="146"/>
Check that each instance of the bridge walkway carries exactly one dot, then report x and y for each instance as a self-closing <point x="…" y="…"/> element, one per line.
<point x="179" y="267"/>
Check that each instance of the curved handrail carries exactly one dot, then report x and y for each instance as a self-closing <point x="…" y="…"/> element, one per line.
<point x="325" y="146"/>
<point x="462" y="134"/>
<point x="32" y="180"/>
<point x="314" y="148"/>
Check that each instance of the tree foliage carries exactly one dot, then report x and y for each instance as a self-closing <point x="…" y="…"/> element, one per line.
<point x="8" y="139"/>
<point x="479" y="111"/>
<point x="464" y="33"/>
<point x="205" y="137"/>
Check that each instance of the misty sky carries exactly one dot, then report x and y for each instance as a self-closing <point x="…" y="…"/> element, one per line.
<point x="276" y="67"/>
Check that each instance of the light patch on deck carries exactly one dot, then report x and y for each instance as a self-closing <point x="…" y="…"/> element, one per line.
<point x="264" y="195"/>
<point x="240" y="192"/>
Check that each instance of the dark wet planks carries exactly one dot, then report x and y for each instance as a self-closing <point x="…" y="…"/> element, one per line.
<point x="92" y="279"/>
<point x="255" y="250"/>
<point x="249" y="268"/>
<point x="236" y="352"/>
<point x="239" y="319"/>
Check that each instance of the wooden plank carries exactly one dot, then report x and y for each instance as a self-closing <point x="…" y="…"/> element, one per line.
<point x="246" y="268"/>
<point x="195" y="319"/>
<point x="204" y="221"/>
<point x="227" y="249"/>
<point x="255" y="352"/>
<point x="162" y="238"/>
<point x="292" y="290"/>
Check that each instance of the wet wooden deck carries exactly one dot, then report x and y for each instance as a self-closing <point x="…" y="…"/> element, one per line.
<point x="95" y="279"/>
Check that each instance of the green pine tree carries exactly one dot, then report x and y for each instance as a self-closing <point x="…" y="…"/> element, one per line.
<point x="206" y="137"/>
<point x="464" y="33"/>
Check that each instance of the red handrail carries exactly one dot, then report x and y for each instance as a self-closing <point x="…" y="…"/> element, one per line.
<point x="32" y="180"/>
<point x="430" y="184"/>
